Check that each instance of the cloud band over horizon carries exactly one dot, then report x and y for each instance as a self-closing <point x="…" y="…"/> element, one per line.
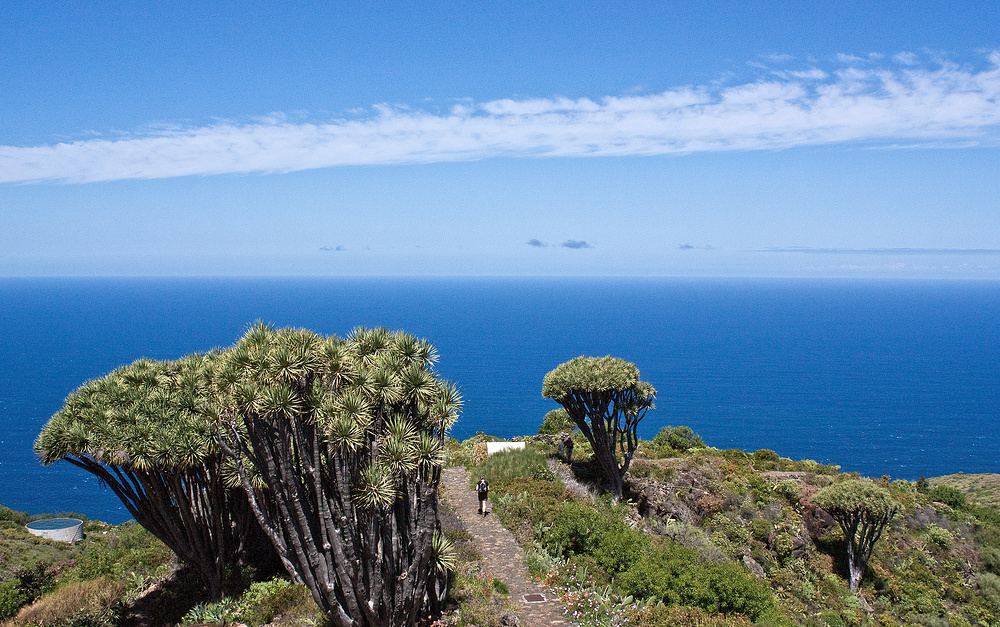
<point x="899" y="103"/>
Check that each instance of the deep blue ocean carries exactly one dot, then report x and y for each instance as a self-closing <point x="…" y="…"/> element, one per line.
<point x="881" y="377"/>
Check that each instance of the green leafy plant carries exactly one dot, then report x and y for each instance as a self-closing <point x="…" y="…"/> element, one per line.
<point x="19" y="518"/>
<point x="12" y="598"/>
<point x="952" y="497"/>
<point x="680" y="438"/>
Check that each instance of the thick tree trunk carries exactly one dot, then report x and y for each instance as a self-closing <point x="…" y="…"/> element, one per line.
<point x="599" y="417"/>
<point x="855" y="569"/>
<point x="189" y="510"/>
<point x="365" y="568"/>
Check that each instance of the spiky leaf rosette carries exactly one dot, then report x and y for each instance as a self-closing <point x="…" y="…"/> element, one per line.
<point x="596" y="375"/>
<point x="142" y="430"/>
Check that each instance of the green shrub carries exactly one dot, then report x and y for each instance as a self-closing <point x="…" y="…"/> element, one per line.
<point x="766" y="455"/>
<point x="952" y="497"/>
<point x="128" y="554"/>
<point x="735" y="455"/>
<point x="732" y="530"/>
<point x="575" y="529"/>
<point x="11" y="598"/>
<point x="482" y="599"/>
<point x="526" y="502"/>
<point x="923" y="486"/>
<point x="662" y="437"/>
<point x="660" y="575"/>
<point x="27" y="584"/>
<point x="989" y="557"/>
<point x="619" y="547"/>
<point x="20" y="518"/>
<point x="556" y="421"/>
<point x="989" y="589"/>
<point x="641" y="468"/>
<point x="788" y="490"/>
<point x="818" y="480"/>
<point x="677" y="616"/>
<point x="673" y="574"/>
<point x="941" y="538"/>
<point x="266" y="600"/>
<point x="731" y="589"/>
<point x="259" y="604"/>
<point x="680" y="438"/>
<point x="929" y="620"/>
<point x="538" y="562"/>
<point x="222" y="613"/>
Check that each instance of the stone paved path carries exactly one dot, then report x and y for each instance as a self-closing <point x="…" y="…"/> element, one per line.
<point x="502" y="554"/>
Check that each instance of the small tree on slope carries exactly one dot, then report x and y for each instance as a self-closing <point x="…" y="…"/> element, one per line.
<point x="863" y="511"/>
<point x="606" y="400"/>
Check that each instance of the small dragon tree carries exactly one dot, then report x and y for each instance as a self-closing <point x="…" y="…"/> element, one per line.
<point x="346" y="438"/>
<point x="863" y="511"/>
<point x="140" y="430"/>
<point x="606" y="400"/>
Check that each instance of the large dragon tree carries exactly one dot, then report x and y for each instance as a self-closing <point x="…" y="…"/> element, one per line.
<point x="346" y="438"/>
<point x="606" y="400"/>
<point x="140" y="429"/>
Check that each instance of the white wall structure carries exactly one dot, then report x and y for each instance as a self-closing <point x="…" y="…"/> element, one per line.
<point x="496" y="447"/>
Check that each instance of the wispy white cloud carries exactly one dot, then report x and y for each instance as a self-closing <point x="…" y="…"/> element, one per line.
<point x="848" y="58"/>
<point x="890" y="105"/>
<point x="778" y="57"/>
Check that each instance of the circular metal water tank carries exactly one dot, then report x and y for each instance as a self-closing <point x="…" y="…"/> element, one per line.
<point x="59" y="529"/>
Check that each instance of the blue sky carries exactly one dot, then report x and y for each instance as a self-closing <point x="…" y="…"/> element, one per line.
<point x="849" y="139"/>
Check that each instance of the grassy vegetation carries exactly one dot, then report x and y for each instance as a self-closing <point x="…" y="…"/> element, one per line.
<point x="89" y="583"/>
<point x="118" y="573"/>
<point x="726" y="537"/>
<point x="983" y="488"/>
<point x="703" y="537"/>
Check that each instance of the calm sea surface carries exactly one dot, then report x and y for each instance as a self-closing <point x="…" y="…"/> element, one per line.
<point x="881" y="377"/>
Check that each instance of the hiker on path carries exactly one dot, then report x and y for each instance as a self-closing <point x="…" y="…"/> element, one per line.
<point x="567" y="447"/>
<point x="483" y="490"/>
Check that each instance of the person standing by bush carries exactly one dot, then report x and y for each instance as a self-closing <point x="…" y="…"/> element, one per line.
<point x="483" y="490"/>
<point x="567" y="448"/>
